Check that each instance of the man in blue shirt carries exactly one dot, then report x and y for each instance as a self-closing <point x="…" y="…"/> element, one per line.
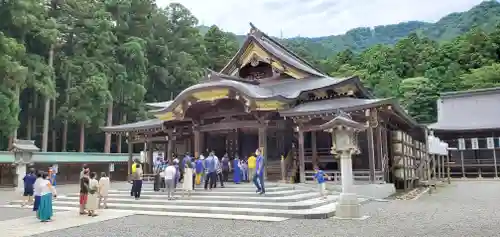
<point x="29" y="180"/>
<point x="258" y="177"/>
<point x="211" y="171"/>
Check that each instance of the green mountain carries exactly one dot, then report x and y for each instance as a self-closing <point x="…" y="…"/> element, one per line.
<point x="485" y="15"/>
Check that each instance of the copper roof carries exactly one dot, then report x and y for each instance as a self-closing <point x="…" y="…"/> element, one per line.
<point x="146" y="125"/>
<point x="276" y="49"/>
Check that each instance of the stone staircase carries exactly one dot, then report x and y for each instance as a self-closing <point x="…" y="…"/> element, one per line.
<point x="281" y="202"/>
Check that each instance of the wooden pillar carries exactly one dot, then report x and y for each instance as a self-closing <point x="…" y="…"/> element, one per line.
<point x="170" y="148"/>
<point x="130" y="153"/>
<point x="197" y="142"/>
<point x="380" y="152"/>
<point x="314" y="149"/>
<point x="263" y="145"/>
<point x="149" y="157"/>
<point x="371" y="147"/>
<point x="495" y="163"/>
<point x="462" y="163"/>
<point x="302" y="165"/>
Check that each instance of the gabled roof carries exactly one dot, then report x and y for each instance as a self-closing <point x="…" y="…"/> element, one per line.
<point x="468" y="110"/>
<point x="283" y="89"/>
<point x="274" y="48"/>
<point x="24" y="145"/>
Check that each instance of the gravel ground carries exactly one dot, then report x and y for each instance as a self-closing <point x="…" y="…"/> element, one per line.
<point x="460" y="209"/>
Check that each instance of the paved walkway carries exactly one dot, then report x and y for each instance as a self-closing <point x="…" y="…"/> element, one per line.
<point x="461" y="209"/>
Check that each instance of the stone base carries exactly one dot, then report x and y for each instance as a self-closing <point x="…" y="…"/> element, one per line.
<point x="348" y="207"/>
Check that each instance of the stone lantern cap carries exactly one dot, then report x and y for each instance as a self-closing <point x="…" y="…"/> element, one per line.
<point x="342" y="121"/>
<point x="24" y="145"/>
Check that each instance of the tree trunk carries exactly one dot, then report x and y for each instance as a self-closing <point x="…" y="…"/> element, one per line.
<point x="65" y="123"/>
<point x="119" y="142"/>
<point x="35" y="108"/>
<point x="107" y="142"/>
<point x="46" y="112"/>
<point x="54" y="132"/>
<point x="29" y="124"/>
<point x="82" y="137"/>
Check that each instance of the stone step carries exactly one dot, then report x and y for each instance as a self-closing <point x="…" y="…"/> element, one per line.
<point x="209" y="196"/>
<point x="177" y="214"/>
<point x="218" y="189"/>
<point x="186" y="201"/>
<point x="217" y="192"/>
<point x="319" y="212"/>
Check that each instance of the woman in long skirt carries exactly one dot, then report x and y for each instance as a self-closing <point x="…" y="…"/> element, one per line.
<point x="187" y="185"/>
<point x="237" y="170"/>
<point x="45" y="211"/>
<point x="93" y="198"/>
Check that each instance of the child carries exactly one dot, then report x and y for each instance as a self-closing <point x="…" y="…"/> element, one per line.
<point x="320" y="177"/>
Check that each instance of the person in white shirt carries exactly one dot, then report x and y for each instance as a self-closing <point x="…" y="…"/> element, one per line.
<point x="103" y="190"/>
<point x="170" y="175"/>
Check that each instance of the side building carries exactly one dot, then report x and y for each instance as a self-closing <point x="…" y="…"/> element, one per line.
<point x="268" y="97"/>
<point x="470" y="122"/>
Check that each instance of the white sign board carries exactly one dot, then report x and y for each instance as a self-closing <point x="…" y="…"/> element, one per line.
<point x="490" y="142"/>
<point x="475" y="143"/>
<point x="461" y="144"/>
<point x="111" y="167"/>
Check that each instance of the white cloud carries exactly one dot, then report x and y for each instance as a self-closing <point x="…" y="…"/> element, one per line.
<point x="316" y="17"/>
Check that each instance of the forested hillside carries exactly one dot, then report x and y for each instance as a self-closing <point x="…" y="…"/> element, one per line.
<point x="485" y="15"/>
<point x="69" y="67"/>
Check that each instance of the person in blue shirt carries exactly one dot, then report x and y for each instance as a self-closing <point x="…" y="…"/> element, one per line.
<point x="29" y="181"/>
<point x="258" y="177"/>
<point x="211" y="171"/>
<point x="321" y="177"/>
<point x="199" y="168"/>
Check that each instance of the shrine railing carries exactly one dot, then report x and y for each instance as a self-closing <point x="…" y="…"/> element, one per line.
<point x="359" y="175"/>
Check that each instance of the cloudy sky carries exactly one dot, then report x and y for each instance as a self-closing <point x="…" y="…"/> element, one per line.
<point x="316" y="17"/>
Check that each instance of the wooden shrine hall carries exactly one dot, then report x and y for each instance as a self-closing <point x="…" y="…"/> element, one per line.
<point x="268" y="97"/>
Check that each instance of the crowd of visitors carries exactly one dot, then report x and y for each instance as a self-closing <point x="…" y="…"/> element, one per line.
<point x="206" y="170"/>
<point x="39" y="191"/>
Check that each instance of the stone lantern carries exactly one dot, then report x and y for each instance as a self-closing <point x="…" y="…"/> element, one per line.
<point x="344" y="139"/>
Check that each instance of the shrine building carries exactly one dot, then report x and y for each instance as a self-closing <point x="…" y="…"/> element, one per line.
<point x="470" y="122"/>
<point x="268" y="97"/>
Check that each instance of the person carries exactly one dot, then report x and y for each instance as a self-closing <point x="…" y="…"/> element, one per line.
<point x="93" y="198"/>
<point x="177" y="173"/>
<point x="187" y="159"/>
<point x="258" y="176"/>
<point x="84" y="191"/>
<point x="225" y="168"/>
<point x="48" y="191"/>
<point x="162" y="177"/>
<point x="37" y="192"/>
<point x="29" y="180"/>
<point x="52" y="175"/>
<point x="84" y="168"/>
<point x="320" y="176"/>
<point x="218" y="165"/>
<point x="244" y="170"/>
<point x="211" y="169"/>
<point x="251" y="164"/>
<point x="137" y="181"/>
<point x="193" y="173"/>
<point x="170" y="175"/>
<point x="199" y="169"/>
<point x="104" y="185"/>
<point x="187" y="185"/>
<point x="156" y="171"/>
<point x="236" y="170"/>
